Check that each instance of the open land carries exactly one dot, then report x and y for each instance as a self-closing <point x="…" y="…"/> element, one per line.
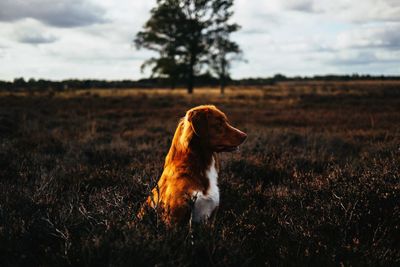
<point x="317" y="181"/>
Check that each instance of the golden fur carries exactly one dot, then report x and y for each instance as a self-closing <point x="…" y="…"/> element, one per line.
<point x="202" y="133"/>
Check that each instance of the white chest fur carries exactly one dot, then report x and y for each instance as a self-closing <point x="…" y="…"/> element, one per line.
<point x="205" y="204"/>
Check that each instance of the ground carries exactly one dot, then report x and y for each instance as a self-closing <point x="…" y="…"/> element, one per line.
<point x="317" y="181"/>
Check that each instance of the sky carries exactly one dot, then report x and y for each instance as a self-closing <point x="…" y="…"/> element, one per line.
<point x="88" y="39"/>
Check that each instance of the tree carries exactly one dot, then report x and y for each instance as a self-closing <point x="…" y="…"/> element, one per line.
<point x="182" y="33"/>
<point x="19" y="83"/>
<point x="222" y="50"/>
<point x="160" y="34"/>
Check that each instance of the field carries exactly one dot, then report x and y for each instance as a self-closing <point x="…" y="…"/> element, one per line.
<point x="317" y="181"/>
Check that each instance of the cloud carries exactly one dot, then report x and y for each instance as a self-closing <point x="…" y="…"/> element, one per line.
<point x="254" y="31"/>
<point x="299" y="5"/>
<point x="34" y="37"/>
<point x="37" y="38"/>
<point x="2" y="50"/>
<point x="29" y="31"/>
<point x="57" y="13"/>
<point x="366" y="11"/>
<point x="294" y="37"/>
<point x="360" y="58"/>
<point x="364" y="58"/>
<point x="382" y="36"/>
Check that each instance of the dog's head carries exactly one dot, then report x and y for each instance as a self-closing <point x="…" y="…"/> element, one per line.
<point x="211" y="126"/>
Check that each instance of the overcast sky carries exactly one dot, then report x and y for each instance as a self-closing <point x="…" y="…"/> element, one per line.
<point x="60" y="39"/>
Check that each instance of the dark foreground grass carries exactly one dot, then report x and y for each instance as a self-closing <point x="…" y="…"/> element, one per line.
<point x="317" y="181"/>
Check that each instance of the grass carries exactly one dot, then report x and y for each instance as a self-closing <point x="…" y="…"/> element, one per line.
<point x="317" y="182"/>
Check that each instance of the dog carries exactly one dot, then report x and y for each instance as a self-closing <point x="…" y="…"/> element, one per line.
<point x="188" y="187"/>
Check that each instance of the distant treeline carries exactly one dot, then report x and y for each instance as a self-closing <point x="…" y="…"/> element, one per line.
<point x="204" y="80"/>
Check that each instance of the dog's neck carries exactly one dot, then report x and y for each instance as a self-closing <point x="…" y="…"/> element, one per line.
<point x="190" y="152"/>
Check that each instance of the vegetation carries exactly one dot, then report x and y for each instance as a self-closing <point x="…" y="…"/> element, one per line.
<point x="20" y="84"/>
<point x="316" y="182"/>
<point x="188" y="34"/>
<point x="222" y="48"/>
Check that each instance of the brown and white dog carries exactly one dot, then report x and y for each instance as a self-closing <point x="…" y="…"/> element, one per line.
<point x="188" y="186"/>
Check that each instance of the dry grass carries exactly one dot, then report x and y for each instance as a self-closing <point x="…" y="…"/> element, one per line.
<point x="317" y="181"/>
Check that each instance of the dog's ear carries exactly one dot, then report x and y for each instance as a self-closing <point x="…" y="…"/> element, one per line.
<point x="199" y="122"/>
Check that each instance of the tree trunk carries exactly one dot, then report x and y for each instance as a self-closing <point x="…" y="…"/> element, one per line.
<point x="222" y="76"/>
<point x="190" y="81"/>
<point x="172" y="83"/>
<point x="222" y="84"/>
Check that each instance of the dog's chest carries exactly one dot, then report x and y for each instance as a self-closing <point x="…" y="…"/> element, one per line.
<point x="205" y="204"/>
